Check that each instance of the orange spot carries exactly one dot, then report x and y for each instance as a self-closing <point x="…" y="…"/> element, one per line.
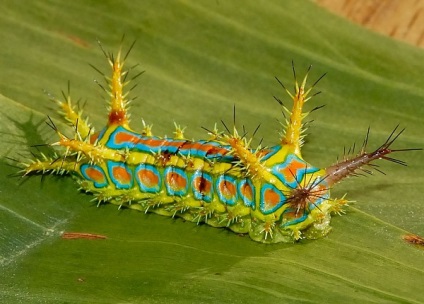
<point x="122" y="175"/>
<point x="272" y="198"/>
<point x="289" y="172"/>
<point x="148" y="178"/>
<point x="247" y="191"/>
<point x="227" y="189"/>
<point x="95" y="175"/>
<point x="202" y="185"/>
<point x="176" y="181"/>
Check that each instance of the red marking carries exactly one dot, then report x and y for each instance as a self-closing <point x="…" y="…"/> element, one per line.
<point x="95" y="175"/>
<point x="289" y="172"/>
<point x="121" y="174"/>
<point x="82" y="235"/>
<point x="227" y="189"/>
<point x="176" y="181"/>
<point x="414" y="239"/>
<point x="117" y="117"/>
<point x="148" y="178"/>
<point x="164" y="158"/>
<point x="271" y="198"/>
<point x="247" y="191"/>
<point x="202" y="185"/>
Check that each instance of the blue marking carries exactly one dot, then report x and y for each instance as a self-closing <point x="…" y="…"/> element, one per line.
<point x="96" y="184"/>
<point x="143" y="144"/>
<point x="219" y="157"/>
<point x="231" y="180"/>
<point x="101" y="134"/>
<point x="167" y="147"/>
<point x="142" y="185"/>
<point x="270" y="209"/>
<point x="247" y="202"/>
<point x="311" y="206"/>
<point x="297" y="175"/>
<point x="272" y="151"/>
<point x="198" y="152"/>
<point x="207" y="197"/>
<point x="131" y="145"/>
<point x="295" y="220"/>
<point x="118" y="184"/>
<point x="322" y="198"/>
<point x="182" y="174"/>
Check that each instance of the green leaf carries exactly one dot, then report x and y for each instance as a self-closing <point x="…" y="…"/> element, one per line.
<point x="201" y="58"/>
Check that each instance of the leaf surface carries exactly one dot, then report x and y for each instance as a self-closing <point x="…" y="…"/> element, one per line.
<point x="201" y="58"/>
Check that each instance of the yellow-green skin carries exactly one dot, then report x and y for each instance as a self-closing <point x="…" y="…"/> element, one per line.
<point x="200" y="182"/>
<point x="270" y="193"/>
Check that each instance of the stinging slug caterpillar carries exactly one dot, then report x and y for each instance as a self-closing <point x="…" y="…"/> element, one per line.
<point x="271" y="193"/>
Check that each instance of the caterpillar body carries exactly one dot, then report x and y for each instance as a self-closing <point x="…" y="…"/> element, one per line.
<point x="271" y="193"/>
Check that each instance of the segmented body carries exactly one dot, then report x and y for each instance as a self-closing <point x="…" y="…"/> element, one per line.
<point x="196" y="180"/>
<point x="270" y="193"/>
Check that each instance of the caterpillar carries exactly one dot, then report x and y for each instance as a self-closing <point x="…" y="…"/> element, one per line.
<point x="270" y="193"/>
